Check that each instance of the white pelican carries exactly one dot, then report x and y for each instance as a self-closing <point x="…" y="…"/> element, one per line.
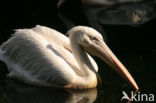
<point x="45" y="57"/>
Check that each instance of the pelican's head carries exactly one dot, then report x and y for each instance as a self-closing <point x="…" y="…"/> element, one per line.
<point x="92" y="42"/>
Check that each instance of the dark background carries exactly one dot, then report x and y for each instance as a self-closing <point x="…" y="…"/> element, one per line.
<point x="133" y="44"/>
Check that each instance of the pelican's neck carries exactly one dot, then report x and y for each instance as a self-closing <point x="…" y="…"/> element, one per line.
<point x="85" y="65"/>
<point x="82" y="58"/>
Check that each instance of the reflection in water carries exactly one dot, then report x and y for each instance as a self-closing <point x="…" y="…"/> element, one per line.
<point x="21" y="93"/>
<point x="15" y="92"/>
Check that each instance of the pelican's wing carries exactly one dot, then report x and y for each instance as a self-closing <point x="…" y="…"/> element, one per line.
<point x="39" y="56"/>
<point x="62" y="42"/>
<point x="52" y="36"/>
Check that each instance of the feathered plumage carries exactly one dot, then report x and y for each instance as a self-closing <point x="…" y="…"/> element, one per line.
<point x="40" y="56"/>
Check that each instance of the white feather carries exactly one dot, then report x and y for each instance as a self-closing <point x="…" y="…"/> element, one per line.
<point x="40" y="56"/>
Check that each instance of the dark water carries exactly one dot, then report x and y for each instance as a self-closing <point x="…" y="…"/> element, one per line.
<point x="128" y="29"/>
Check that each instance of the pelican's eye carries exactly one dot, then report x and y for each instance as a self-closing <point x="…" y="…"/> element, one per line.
<point x="94" y="38"/>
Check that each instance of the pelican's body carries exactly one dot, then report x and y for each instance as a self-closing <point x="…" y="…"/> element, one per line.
<point x="45" y="57"/>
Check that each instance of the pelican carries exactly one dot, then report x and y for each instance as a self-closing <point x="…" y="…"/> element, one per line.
<point x="45" y="57"/>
